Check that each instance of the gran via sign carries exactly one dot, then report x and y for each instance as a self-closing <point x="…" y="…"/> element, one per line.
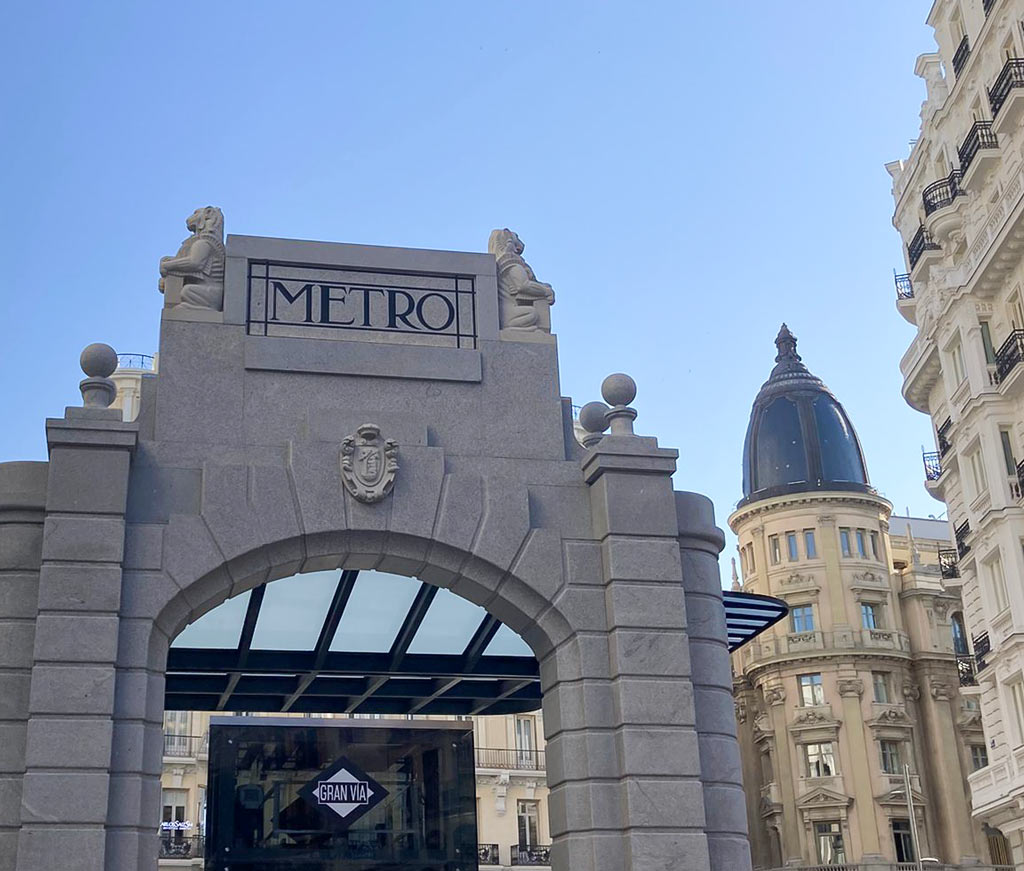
<point x="335" y="302"/>
<point x="345" y="791"/>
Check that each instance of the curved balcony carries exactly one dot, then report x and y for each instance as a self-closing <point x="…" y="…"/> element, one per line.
<point x="921" y="372"/>
<point x="1006" y="97"/>
<point x="978" y="154"/>
<point x="941" y="200"/>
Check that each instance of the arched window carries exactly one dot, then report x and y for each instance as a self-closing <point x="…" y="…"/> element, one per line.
<point x="959" y="634"/>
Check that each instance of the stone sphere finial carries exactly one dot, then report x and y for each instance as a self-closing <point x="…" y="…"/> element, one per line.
<point x="618" y="389"/>
<point x="593" y="418"/>
<point x="98" y="360"/>
<point x="98" y="363"/>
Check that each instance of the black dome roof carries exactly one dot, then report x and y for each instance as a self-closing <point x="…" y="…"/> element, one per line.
<point x="799" y="438"/>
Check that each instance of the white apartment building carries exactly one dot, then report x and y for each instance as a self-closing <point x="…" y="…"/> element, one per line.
<point x="959" y="208"/>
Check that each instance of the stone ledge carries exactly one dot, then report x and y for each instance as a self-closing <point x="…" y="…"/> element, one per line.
<point x="334" y="357"/>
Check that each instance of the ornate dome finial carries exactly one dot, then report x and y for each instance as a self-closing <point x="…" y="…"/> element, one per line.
<point x="785" y="341"/>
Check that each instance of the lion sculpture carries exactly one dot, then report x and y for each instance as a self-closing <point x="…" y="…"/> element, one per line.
<point x="199" y="264"/>
<point x="525" y="302"/>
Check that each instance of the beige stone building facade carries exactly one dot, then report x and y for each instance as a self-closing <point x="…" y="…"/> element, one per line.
<point x="860" y="682"/>
<point x="512" y="793"/>
<point x="960" y="213"/>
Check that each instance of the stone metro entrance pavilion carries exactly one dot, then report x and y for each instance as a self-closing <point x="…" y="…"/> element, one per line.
<point x="330" y="407"/>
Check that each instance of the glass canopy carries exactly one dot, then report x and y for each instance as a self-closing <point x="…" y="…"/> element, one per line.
<point x="371" y="642"/>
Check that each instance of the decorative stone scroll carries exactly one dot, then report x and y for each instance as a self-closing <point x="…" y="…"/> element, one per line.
<point x="369" y="463"/>
<point x="194" y="277"/>
<point x="775" y="695"/>
<point x="525" y="302"/>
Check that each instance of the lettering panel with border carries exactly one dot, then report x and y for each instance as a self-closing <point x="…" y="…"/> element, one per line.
<point x="305" y="300"/>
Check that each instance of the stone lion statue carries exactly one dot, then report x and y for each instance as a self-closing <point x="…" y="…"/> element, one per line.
<point x="198" y="267"/>
<point x="525" y="302"/>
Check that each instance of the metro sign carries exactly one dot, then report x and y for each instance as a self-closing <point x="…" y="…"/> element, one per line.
<point x="345" y="790"/>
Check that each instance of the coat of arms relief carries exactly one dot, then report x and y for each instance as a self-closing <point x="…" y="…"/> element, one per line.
<point x="369" y="463"/>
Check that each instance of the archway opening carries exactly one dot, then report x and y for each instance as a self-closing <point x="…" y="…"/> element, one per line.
<point x="360" y="645"/>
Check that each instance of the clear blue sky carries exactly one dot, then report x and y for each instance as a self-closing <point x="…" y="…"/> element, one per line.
<point x="686" y="176"/>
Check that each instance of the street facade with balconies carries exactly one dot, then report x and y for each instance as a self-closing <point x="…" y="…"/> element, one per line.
<point x="961" y="190"/>
<point x="865" y="686"/>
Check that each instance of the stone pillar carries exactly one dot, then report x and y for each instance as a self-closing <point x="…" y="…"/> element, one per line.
<point x="700" y="542"/>
<point x="787" y="771"/>
<point x="946" y="796"/>
<point x="647" y="813"/>
<point x="67" y="783"/>
<point x="22" y="502"/>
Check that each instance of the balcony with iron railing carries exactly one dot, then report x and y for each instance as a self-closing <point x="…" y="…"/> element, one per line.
<point x="186" y="746"/>
<point x="982" y="647"/>
<point x="1010" y="79"/>
<point x="904" y="289"/>
<point x="921" y="243"/>
<point x="949" y="563"/>
<point x="535" y="855"/>
<point x="960" y="533"/>
<point x="980" y="144"/>
<point x="932" y="465"/>
<point x="184" y="847"/>
<point x="942" y="193"/>
<point x="487" y="854"/>
<point x="510" y="760"/>
<point x="987" y="5"/>
<point x="963" y="51"/>
<point x="1010" y="353"/>
<point x="966" y="670"/>
<point x="942" y="436"/>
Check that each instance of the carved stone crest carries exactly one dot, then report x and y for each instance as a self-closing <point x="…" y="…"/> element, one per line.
<point x="775" y="695"/>
<point x="911" y="691"/>
<point x="369" y="463"/>
<point x="941" y="691"/>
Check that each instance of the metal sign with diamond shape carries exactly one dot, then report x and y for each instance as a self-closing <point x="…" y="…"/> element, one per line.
<point x="345" y="790"/>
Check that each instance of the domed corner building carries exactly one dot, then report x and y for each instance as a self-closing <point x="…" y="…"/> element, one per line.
<point x="863" y="675"/>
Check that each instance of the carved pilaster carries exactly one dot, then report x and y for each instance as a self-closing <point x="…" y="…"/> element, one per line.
<point x="851" y="687"/>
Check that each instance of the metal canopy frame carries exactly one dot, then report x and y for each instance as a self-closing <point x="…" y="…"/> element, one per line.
<point x="394" y="682"/>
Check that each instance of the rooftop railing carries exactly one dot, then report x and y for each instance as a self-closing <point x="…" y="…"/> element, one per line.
<point x="941" y="193"/>
<point x="978" y="137"/>
<point x="1010" y="76"/>
<point x="921" y="242"/>
<point x="963" y="51"/>
<point x="135" y="361"/>
<point x="904" y="289"/>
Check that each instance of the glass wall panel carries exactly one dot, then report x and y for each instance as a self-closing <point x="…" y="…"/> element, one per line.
<point x="259" y="820"/>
